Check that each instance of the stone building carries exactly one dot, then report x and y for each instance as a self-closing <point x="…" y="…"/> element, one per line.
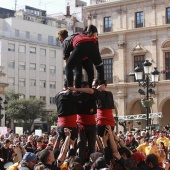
<point x="131" y="32"/>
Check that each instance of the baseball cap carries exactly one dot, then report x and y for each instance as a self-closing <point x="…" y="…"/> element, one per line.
<point x="29" y="156"/>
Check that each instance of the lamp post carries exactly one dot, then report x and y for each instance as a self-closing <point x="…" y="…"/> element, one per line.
<point x="1" y="108"/>
<point x="148" y="81"/>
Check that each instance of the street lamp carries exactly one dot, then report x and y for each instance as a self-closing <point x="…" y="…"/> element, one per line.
<point x="1" y="108"/>
<point x="148" y="81"/>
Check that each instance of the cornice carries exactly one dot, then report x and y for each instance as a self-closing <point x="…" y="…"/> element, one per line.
<point x="3" y="84"/>
<point x="111" y="4"/>
<point x="135" y="84"/>
<point x="115" y="33"/>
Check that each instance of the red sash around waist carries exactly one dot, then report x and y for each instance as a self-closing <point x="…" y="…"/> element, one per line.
<point x="67" y="121"/>
<point x="86" y="119"/>
<point x="105" y="117"/>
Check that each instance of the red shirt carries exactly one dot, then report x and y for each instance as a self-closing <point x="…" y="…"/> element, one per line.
<point x="83" y="38"/>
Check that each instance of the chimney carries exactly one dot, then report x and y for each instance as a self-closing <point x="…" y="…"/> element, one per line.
<point x="68" y="11"/>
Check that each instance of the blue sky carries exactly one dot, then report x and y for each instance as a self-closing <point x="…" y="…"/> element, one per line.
<point x="51" y="6"/>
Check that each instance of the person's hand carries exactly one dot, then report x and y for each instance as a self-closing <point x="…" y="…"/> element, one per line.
<point x="105" y="138"/>
<point x="67" y="132"/>
<point x="166" y="165"/>
<point x="72" y="142"/>
<point x="121" y="142"/>
<point x="11" y="146"/>
<point x="116" y="138"/>
<point x="109" y="130"/>
<point x="116" y="155"/>
<point x="1" y="159"/>
<point x="66" y="59"/>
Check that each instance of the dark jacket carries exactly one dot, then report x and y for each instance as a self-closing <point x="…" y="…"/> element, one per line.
<point x="87" y="106"/>
<point x="67" y="102"/>
<point x="104" y="99"/>
<point x="68" y="46"/>
<point x="132" y="145"/>
<point x="157" y="168"/>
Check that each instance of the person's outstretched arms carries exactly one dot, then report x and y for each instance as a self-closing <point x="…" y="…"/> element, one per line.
<point x="113" y="143"/>
<point x="84" y="90"/>
<point x="65" y="146"/>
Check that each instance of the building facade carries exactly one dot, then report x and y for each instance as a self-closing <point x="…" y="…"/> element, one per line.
<point x="31" y="55"/>
<point x="3" y="86"/>
<point x="131" y="32"/>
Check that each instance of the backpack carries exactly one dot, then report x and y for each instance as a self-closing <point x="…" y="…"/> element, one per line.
<point x="14" y="166"/>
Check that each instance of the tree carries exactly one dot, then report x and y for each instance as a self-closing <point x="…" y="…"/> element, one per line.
<point x="11" y="95"/>
<point x="25" y="110"/>
<point x="51" y="118"/>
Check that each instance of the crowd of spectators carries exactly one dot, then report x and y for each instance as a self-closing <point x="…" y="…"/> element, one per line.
<point x="133" y="150"/>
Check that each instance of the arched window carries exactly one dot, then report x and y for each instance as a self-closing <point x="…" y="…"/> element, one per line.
<point x="166" y="50"/>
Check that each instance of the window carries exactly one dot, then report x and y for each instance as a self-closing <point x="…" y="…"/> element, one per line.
<point x="167" y="65"/>
<point x="139" y="19"/>
<point x="168" y="15"/>
<point x="32" y="97"/>
<point x="50" y="40"/>
<point x="27" y="34"/>
<point x="16" y="33"/>
<point x="11" y="64"/>
<point x="138" y="61"/>
<point x="52" y="53"/>
<point x="52" y="100"/>
<point x="42" y="67"/>
<point x="39" y="37"/>
<point x="42" y="83"/>
<point x="52" y="69"/>
<point x="42" y="52"/>
<point x="32" y="66"/>
<point x="21" y="66"/>
<point x="108" y="70"/>
<point x="58" y="42"/>
<point x="22" y="49"/>
<point x="21" y="82"/>
<point x="11" y="80"/>
<point x="11" y="47"/>
<point x="33" y="50"/>
<point x="32" y="82"/>
<point x="52" y="85"/>
<point x="43" y="98"/>
<point x="107" y="24"/>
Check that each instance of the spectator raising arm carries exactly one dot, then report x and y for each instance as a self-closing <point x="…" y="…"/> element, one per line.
<point x="65" y="146"/>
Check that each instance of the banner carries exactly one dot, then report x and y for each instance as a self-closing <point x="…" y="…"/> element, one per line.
<point x="19" y="130"/>
<point x="38" y="132"/>
<point x="3" y="130"/>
